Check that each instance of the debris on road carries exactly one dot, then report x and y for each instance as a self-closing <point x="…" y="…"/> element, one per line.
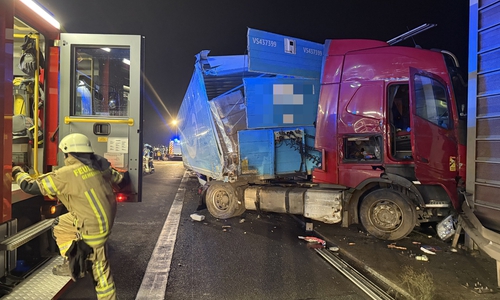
<point x="422" y="257"/>
<point x="312" y="239"/>
<point x="427" y="250"/>
<point x="334" y="248"/>
<point x="226" y="226"/>
<point x="446" y="228"/>
<point x="242" y="221"/>
<point x="351" y="244"/>
<point x="393" y="246"/>
<point x="197" y="217"/>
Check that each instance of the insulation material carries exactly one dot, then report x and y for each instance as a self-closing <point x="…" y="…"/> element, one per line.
<point x="229" y="112"/>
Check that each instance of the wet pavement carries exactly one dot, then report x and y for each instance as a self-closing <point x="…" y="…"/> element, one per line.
<point x="446" y="274"/>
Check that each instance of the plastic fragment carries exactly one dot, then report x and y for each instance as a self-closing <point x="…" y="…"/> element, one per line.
<point x="422" y="257"/>
<point x="393" y="246"/>
<point x="334" y="248"/>
<point x="424" y="249"/>
<point x="312" y="239"/>
<point x="197" y="217"/>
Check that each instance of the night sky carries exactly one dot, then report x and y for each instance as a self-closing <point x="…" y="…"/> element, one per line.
<point x="175" y="31"/>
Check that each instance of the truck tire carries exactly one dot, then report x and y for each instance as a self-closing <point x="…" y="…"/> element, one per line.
<point x="387" y="214"/>
<point x="221" y="201"/>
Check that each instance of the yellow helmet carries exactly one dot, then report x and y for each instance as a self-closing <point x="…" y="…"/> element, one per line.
<point x="75" y="143"/>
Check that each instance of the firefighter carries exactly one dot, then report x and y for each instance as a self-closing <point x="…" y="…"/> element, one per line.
<point x="84" y="186"/>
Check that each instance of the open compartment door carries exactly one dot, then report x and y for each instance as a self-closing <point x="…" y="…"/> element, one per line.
<point x="101" y="97"/>
<point x="433" y="138"/>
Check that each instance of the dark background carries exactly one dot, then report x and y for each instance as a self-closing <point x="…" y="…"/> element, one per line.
<point x="176" y="30"/>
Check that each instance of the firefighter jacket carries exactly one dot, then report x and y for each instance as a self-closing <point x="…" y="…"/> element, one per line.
<point x="84" y="186"/>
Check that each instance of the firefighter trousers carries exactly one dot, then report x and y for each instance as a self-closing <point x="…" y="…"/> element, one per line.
<point x="65" y="232"/>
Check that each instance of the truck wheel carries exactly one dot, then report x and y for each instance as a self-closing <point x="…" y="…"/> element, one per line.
<point x="387" y="214"/>
<point x="221" y="200"/>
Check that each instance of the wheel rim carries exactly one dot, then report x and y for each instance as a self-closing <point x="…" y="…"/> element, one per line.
<point x="386" y="215"/>
<point x="220" y="200"/>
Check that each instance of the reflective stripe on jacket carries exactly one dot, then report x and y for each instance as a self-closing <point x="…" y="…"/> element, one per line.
<point x="86" y="192"/>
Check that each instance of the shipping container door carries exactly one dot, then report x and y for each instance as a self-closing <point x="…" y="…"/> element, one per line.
<point x="101" y="97"/>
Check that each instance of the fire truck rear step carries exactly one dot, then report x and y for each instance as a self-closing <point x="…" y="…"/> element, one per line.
<point x="25" y="235"/>
<point x="42" y="284"/>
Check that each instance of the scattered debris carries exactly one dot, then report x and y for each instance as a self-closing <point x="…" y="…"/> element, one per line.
<point x="242" y="221"/>
<point x="478" y="287"/>
<point x="309" y="226"/>
<point x="351" y="243"/>
<point x="427" y="250"/>
<point x="422" y="257"/>
<point x="416" y="243"/>
<point x="197" y="217"/>
<point x="446" y="228"/>
<point x="334" y="248"/>
<point x="393" y="246"/>
<point x="432" y="248"/>
<point x="226" y="226"/>
<point x="224" y="230"/>
<point x="312" y="239"/>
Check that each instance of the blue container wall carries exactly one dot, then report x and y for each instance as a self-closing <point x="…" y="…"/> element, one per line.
<point x="257" y="152"/>
<point x="199" y="144"/>
<point x="278" y="54"/>
<point x="281" y="102"/>
<point x="262" y="156"/>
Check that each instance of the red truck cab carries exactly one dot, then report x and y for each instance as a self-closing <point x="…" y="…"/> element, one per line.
<point x="388" y="115"/>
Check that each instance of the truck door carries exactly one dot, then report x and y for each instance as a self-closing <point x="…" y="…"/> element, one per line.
<point x="101" y="97"/>
<point x="434" y="144"/>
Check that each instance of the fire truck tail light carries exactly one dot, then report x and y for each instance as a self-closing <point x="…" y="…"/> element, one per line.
<point x="53" y="209"/>
<point x="121" y="197"/>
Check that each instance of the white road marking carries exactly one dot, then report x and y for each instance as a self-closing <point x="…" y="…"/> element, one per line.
<point x="154" y="283"/>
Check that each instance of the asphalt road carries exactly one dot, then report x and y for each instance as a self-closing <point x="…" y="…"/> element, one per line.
<point x="252" y="257"/>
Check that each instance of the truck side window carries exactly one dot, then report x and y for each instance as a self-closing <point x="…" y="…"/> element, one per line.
<point x="399" y="120"/>
<point x="362" y="148"/>
<point x="399" y="103"/>
<point x="431" y="101"/>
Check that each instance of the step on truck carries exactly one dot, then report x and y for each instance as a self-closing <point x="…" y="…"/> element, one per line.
<point x="54" y="83"/>
<point x="349" y="131"/>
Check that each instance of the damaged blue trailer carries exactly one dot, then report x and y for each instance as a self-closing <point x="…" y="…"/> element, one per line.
<point x="253" y="115"/>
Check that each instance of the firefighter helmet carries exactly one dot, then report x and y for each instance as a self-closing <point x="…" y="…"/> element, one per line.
<point x="75" y="143"/>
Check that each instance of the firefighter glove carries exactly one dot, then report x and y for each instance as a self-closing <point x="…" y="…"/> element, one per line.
<point x="16" y="170"/>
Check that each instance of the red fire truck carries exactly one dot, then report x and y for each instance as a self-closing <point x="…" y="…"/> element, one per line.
<point x="55" y="83"/>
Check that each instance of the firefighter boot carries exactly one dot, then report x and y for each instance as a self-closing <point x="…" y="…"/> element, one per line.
<point x="62" y="270"/>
